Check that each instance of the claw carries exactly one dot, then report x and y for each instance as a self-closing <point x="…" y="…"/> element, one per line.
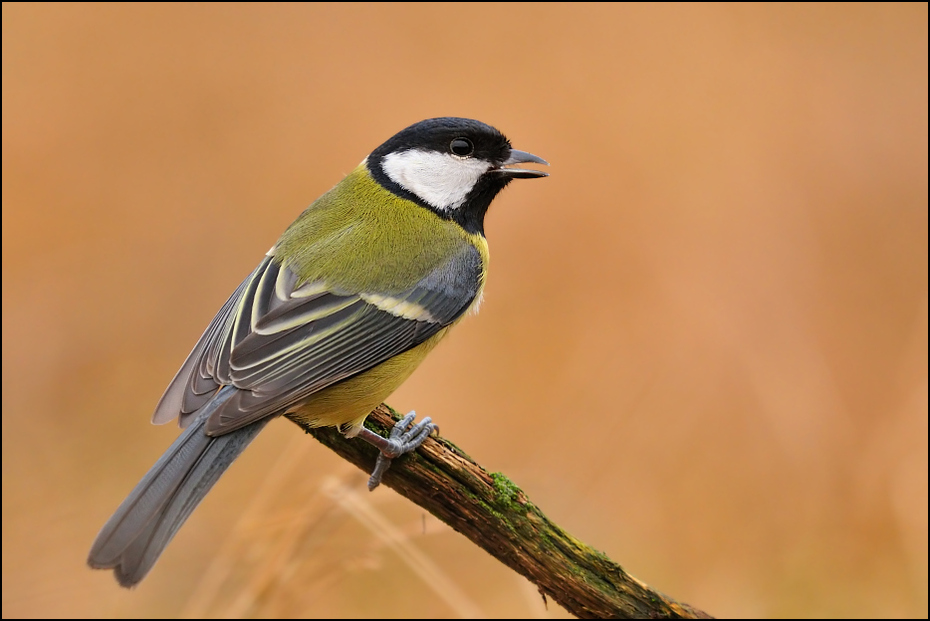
<point x="401" y="440"/>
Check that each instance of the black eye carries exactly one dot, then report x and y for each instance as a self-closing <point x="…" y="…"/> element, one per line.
<point x="462" y="146"/>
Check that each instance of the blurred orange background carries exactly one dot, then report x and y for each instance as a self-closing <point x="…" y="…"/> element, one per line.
<point x="703" y="347"/>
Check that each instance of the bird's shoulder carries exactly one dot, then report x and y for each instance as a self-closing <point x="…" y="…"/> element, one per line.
<point x="361" y="238"/>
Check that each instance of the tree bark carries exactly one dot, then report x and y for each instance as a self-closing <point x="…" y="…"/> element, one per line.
<point x="496" y="515"/>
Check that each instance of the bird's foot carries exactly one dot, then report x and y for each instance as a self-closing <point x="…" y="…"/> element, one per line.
<point x="402" y="440"/>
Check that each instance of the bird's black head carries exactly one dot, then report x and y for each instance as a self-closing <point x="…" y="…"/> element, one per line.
<point x="451" y="166"/>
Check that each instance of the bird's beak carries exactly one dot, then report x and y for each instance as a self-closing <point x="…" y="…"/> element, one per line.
<point x="522" y="157"/>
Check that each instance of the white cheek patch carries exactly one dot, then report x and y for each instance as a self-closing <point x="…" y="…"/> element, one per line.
<point x="440" y="179"/>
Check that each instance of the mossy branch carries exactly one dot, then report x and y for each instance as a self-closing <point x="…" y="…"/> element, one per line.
<point x="496" y="515"/>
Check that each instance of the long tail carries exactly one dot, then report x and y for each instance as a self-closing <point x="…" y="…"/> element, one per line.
<point x="135" y="536"/>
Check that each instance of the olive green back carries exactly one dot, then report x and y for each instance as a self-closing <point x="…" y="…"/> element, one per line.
<point x="359" y="237"/>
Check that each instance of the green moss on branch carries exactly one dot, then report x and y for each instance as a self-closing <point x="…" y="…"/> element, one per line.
<point x="496" y="515"/>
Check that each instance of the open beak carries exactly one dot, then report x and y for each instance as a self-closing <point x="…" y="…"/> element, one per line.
<point x="522" y="157"/>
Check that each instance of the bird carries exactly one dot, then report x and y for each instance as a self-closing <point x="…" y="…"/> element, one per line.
<point x="338" y="313"/>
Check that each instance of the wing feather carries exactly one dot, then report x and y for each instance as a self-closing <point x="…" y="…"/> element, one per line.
<point x="171" y="404"/>
<point x="279" y="340"/>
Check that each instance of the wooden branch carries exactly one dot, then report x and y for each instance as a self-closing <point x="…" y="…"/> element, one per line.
<point x="496" y="515"/>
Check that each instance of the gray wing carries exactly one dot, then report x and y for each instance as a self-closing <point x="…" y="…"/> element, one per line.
<point x="279" y="341"/>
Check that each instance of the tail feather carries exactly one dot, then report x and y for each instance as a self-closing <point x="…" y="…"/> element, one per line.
<point x="143" y="525"/>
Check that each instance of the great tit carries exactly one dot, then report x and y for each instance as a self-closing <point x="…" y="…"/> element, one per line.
<point x="337" y="315"/>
